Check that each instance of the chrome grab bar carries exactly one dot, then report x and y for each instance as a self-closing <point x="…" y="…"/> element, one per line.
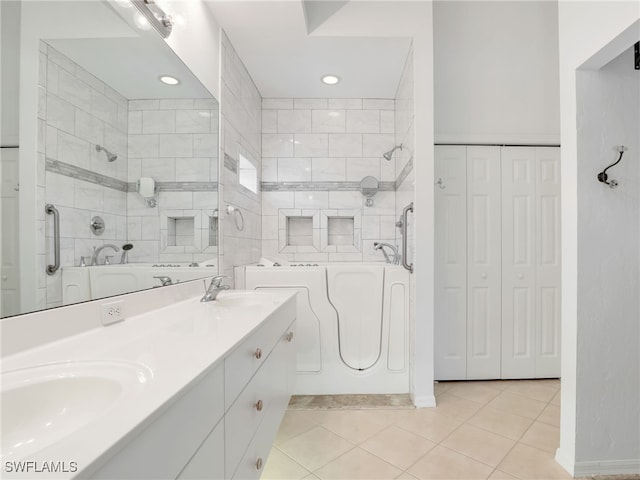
<point x="405" y="212"/>
<point x="51" y="210"/>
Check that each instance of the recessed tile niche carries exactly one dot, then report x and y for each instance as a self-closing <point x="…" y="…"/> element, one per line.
<point x="180" y="231"/>
<point x="299" y="231"/>
<point x="340" y="231"/>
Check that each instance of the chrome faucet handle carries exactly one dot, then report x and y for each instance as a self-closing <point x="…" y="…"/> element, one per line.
<point x="216" y="281"/>
<point x="106" y="259"/>
<point x="164" y="280"/>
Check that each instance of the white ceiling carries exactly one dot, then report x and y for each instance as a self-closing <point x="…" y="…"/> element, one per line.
<point x="127" y="61"/>
<point x="284" y="60"/>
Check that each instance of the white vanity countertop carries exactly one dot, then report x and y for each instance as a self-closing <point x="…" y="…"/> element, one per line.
<point x="169" y="347"/>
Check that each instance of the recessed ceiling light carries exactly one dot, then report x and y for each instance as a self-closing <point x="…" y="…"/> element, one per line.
<point x="169" y="80"/>
<point x="330" y="79"/>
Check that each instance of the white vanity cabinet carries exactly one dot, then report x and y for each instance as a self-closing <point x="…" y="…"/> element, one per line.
<point x="223" y="427"/>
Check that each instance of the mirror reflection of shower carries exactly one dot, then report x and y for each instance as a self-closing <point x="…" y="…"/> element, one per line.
<point x="112" y="157"/>
<point x="389" y="154"/>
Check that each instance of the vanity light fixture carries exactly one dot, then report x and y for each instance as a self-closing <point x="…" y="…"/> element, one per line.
<point x="169" y="80"/>
<point x="157" y="17"/>
<point x="330" y="79"/>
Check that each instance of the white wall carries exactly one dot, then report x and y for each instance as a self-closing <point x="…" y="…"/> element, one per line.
<point x="585" y="27"/>
<point x="10" y="81"/>
<point x="496" y="72"/>
<point x="608" y="413"/>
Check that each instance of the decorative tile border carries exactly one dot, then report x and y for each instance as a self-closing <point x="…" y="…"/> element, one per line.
<point x="404" y="173"/>
<point x="320" y="186"/>
<point x="85" y="175"/>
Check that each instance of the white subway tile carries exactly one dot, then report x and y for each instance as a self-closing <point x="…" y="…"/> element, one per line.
<point x="89" y="128"/>
<point x="205" y="145"/>
<point x="311" y="103"/>
<point x="273" y="201"/>
<point x="388" y="169"/>
<point x="294" y="169"/>
<point x="205" y="201"/>
<point x="160" y="169"/>
<point x="383" y="204"/>
<point x="269" y="169"/>
<point x="277" y="103"/>
<point x="89" y="79"/>
<point x="51" y="143"/>
<point x="311" y="200"/>
<point x="176" y="104"/>
<point x="378" y="104"/>
<point x="134" y="169"/>
<point x="370" y="227"/>
<point x="192" y="169"/>
<point x="294" y="121"/>
<point x="52" y="77"/>
<point x="351" y="200"/>
<point x="141" y="146"/>
<point x="345" y="257"/>
<point x="311" y="145"/>
<point x="175" y="145"/>
<point x="277" y="145"/>
<point x="269" y="121"/>
<point x="158" y="121"/>
<point x="175" y="200"/>
<point x="358" y="168"/>
<point x="374" y="145"/>
<point x="116" y="141"/>
<point x="73" y="150"/>
<point x="345" y="145"/>
<point x="104" y="108"/>
<point x="61" y="60"/>
<point x="144" y="105"/>
<point x="328" y="121"/>
<point x="60" y="114"/>
<point x="328" y="169"/>
<point x="193" y="121"/>
<point x="387" y="121"/>
<point x="270" y="227"/>
<point x="150" y="228"/>
<point x="42" y="69"/>
<point x="59" y="190"/>
<point x="388" y="227"/>
<point x="205" y="104"/>
<point x="346" y="103"/>
<point x="89" y="196"/>
<point x="115" y="201"/>
<point x="363" y="121"/>
<point x="42" y="102"/>
<point x="135" y="122"/>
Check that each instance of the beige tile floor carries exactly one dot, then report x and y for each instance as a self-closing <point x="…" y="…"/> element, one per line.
<point x="480" y="430"/>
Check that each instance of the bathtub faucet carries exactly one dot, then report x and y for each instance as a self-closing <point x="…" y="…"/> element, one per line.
<point x="96" y="252"/>
<point x="395" y="256"/>
<point x="215" y="287"/>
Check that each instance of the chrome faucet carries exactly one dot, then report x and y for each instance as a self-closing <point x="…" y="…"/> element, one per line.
<point x="215" y="287"/>
<point x="164" y="280"/>
<point x="96" y="252"/>
<point x="395" y="256"/>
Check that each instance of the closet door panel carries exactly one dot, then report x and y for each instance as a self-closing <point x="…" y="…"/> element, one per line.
<point x="518" y="262"/>
<point x="483" y="262"/>
<point x="548" y="262"/>
<point x="451" y="263"/>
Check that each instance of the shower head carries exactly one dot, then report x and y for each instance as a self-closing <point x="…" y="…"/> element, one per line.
<point x="387" y="155"/>
<point x="112" y="157"/>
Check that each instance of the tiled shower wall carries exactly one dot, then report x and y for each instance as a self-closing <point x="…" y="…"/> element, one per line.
<point x="241" y="129"/>
<point x="172" y="141"/>
<point x="76" y="111"/>
<point x="315" y="153"/>
<point x="175" y="142"/>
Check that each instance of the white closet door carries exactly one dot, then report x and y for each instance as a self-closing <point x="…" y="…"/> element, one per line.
<point x="483" y="262"/>
<point x="518" y="262"/>
<point x="451" y="263"/>
<point x="547" y="348"/>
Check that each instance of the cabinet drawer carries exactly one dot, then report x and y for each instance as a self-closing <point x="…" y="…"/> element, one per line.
<point x="208" y="461"/>
<point x="243" y="362"/>
<point x="243" y="418"/>
<point x="164" y="447"/>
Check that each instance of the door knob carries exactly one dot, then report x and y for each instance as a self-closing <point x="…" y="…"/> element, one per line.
<point x="258" y="353"/>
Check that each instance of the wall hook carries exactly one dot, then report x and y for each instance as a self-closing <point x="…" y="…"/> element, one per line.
<point x="603" y="177"/>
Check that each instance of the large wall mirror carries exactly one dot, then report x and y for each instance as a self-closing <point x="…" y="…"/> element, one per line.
<point x="121" y="140"/>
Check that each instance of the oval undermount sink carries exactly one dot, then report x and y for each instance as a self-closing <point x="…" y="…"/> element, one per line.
<point x="44" y="404"/>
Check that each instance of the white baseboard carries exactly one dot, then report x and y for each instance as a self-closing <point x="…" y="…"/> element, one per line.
<point x="606" y="467"/>
<point x="565" y="461"/>
<point x="424" y="401"/>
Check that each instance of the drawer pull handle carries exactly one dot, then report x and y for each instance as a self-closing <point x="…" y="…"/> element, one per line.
<point x="289" y="336"/>
<point x="259" y="405"/>
<point x="258" y="353"/>
<point x="259" y="464"/>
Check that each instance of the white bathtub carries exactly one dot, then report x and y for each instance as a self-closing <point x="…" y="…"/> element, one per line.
<point x="89" y="283"/>
<point x="352" y="324"/>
